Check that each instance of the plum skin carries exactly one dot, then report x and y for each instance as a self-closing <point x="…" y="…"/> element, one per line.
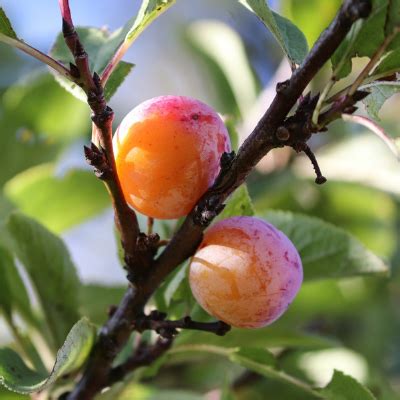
<point x="246" y="272"/>
<point x="167" y="153"/>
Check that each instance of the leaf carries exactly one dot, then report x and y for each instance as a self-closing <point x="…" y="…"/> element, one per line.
<point x="117" y="78"/>
<point x="58" y="202"/>
<point x="16" y="376"/>
<point x="365" y="42"/>
<point x="380" y="92"/>
<point x="345" y="387"/>
<point x="5" y="25"/>
<point x="50" y="270"/>
<point x="375" y="128"/>
<point x="223" y="51"/>
<point x="94" y="41"/>
<point x="238" y="204"/>
<point x="393" y="16"/>
<point x="289" y="37"/>
<point x="97" y="299"/>
<point x="258" y="360"/>
<point x="40" y="106"/>
<point x="325" y="250"/>
<point x="13" y="294"/>
<point x="389" y="65"/>
<point x="101" y="47"/>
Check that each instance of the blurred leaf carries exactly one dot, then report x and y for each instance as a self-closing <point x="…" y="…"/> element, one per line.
<point x="230" y="123"/>
<point x="5" y="25"/>
<point x="239" y="203"/>
<point x="393" y="16"/>
<point x="303" y="12"/>
<point x="325" y="250"/>
<point x="13" y="295"/>
<point x="58" y="202"/>
<point x="289" y="37"/>
<point x="368" y="38"/>
<point x="133" y="390"/>
<point x="258" y="360"/>
<point x="375" y="128"/>
<point x="5" y="394"/>
<point x="224" y="47"/>
<point x="16" y="376"/>
<point x="380" y="92"/>
<point x="389" y="65"/>
<point x="97" y="299"/>
<point x="344" y="387"/>
<point x="165" y="293"/>
<point x="40" y="105"/>
<point x="51" y="271"/>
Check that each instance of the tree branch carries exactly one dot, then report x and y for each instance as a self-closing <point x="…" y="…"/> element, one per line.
<point x="234" y="170"/>
<point x="102" y="158"/>
<point x="166" y="328"/>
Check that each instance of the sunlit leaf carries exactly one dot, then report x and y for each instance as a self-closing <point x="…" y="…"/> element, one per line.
<point x="289" y="37"/>
<point x="58" y="202"/>
<point x="5" y="25"/>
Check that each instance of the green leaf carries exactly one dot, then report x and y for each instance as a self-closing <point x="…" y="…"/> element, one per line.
<point x="380" y="92"/>
<point x="95" y="42"/>
<point x="239" y="204"/>
<point x="5" y="25"/>
<point x="117" y="78"/>
<point x="58" y="202"/>
<point x="344" y="387"/>
<point x="365" y="42"/>
<point x="40" y="106"/>
<point x="50" y="270"/>
<point x="222" y="49"/>
<point x="389" y="65"/>
<point x="97" y="299"/>
<point x="289" y="37"/>
<point x="258" y="360"/>
<point x="13" y="294"/>
<point x="133" y="390"/>
<point x="16" y="376"/>
<point x="101" y="46"/>
<point x="325" y="250"/>
<point x="393" y="16"/>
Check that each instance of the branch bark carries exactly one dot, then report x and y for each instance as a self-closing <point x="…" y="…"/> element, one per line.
<point x="234" y="170"/>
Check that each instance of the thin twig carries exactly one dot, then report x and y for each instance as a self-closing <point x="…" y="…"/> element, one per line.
<point x="166" y="328"/>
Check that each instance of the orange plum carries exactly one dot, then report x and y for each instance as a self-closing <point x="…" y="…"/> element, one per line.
<point x="246" y="272"/>
<point x="167" y="152"/>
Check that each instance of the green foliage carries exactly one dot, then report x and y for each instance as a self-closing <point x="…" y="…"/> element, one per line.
<point x="44" y="255"/>
<point x="5" y="25"/>
<point x="380" y="92"/>
<point x="97" y="43"/>
<point x="289" y="37"/>
<point x="13" y="295"/>
<point x="390" y="64"/>
<point x="96" y="300"/>
<point x="325" y="250"/>
<point x="58" y="202"/>
<point x="345" y="387"/>
<point x="238" y="204"/>
<point x="16" y="376"/>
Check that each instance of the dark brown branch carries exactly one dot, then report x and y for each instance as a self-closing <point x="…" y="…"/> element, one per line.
<point x="144" y="355"/>
<point x="166" y="328"/>
<point x="102" y="157"/>
<point x="234" y="171"/>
